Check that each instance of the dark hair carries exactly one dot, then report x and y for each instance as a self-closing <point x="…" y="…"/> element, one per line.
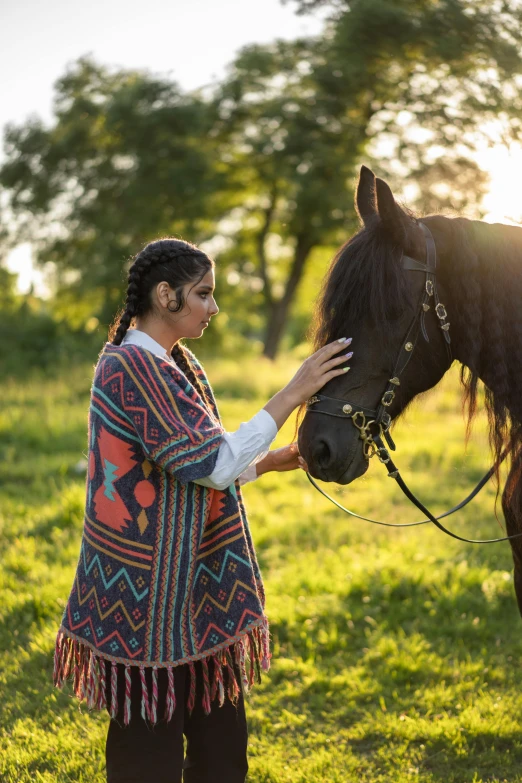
<point x="367" y="273"/>
<point x="172" y="260"/>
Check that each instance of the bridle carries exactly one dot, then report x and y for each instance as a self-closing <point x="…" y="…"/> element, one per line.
<point x="374" y="425"/>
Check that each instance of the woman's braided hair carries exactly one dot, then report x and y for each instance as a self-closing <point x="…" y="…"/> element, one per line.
<point x="176" y="262"/>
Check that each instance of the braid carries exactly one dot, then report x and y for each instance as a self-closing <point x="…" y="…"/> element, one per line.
<point x="137" y="272"/>
<point x="182" y="359"/>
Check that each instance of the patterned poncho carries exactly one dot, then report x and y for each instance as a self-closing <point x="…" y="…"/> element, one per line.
<point x="167" y="572"/>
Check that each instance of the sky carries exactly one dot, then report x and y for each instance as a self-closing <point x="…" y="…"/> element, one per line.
<point x="192" y="41"/>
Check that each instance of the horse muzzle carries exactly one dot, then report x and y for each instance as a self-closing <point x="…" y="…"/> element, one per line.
<point x="329" y="456"/>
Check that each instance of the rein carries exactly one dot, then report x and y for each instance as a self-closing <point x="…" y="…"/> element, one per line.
<point x="373" y="425"/>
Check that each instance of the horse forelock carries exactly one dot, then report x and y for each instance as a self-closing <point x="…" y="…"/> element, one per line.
<point x="365" y="281"/>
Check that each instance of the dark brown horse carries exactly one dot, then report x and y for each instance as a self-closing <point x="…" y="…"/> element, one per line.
<point x="370" y="296"/>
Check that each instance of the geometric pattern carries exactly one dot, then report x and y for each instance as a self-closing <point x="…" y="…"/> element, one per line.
<point x="167" y="572"/>
<point x="116" y="459"/>
<point x="145" y="494"/>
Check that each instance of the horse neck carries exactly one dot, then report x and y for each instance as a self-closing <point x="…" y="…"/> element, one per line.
<point x="485" y="290"/>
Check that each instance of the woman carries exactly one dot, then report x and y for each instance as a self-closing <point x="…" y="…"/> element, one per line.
<point x="165" y="623"/>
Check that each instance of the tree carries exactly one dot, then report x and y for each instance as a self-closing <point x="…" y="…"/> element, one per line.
<point x="407" y="83"/>
<point x="127" y="159"/>
<point x="289" y="164"/>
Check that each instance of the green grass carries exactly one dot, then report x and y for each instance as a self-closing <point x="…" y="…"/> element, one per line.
<point x="396" y="652"/>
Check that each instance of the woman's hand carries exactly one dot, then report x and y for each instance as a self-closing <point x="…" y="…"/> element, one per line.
<point x="283" y="459"/>
<point x="314" y="373"/>
<point x="318" y="369"/>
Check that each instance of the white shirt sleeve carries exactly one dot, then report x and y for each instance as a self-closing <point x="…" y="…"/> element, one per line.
<point x="241" y="450"/>
<point x="250" y="474"/>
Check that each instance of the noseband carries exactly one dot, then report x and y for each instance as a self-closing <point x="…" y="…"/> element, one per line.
<point x="374" y="425"/>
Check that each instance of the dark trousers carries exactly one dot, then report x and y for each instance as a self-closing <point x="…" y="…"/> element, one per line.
<point x="140" y="753"/>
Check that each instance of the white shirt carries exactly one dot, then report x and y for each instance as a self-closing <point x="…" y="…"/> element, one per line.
<point x="239" y="451"/>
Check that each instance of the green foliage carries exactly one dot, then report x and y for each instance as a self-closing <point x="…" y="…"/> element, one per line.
<point x="290" y="148"/>
<point x="396" y="653"/>
<point x="32" y="337"/>
<point x="8" y="295"/>
<point x="126" y="160"/>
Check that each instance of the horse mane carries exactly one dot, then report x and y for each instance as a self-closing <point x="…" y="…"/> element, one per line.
<point x="487" y="270"/>
<point x="367" y="273"/>
<point x="485" y="279"/>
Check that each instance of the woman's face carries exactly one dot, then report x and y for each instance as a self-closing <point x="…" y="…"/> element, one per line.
<point x="199" y="308"/>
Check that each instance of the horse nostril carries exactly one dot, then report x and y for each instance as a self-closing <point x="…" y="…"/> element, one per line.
<point x="323" y="454"/>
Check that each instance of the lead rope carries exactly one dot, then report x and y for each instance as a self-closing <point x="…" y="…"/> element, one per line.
<point x="484" y="480"/>
<point x="394" y="473"/>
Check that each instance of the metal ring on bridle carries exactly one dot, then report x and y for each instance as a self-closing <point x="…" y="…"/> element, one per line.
<point x="387" y="398"/>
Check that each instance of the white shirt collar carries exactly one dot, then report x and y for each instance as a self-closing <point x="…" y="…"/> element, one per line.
<point x="137" y="337"/>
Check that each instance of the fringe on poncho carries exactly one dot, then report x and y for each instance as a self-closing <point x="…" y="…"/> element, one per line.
<point x="167" y="573"/>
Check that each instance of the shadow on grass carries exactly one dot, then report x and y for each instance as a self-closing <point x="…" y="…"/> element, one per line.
<point x="30" y="692"/>
<point x="448" y="761"/>
<point x="449" y="623"/>
<point x="33" y="708"/>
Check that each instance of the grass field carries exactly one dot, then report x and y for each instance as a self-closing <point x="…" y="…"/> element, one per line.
<point x="397" y="653"/>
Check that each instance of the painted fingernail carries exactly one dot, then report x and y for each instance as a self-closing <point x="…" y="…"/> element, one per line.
<point x="343" y="339"/>
<point x="345" y="369"/>
<point x="349" y="355"/>
<point x="347" y="340"/>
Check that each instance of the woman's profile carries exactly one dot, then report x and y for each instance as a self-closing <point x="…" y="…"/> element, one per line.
<point x="165" y="625"/>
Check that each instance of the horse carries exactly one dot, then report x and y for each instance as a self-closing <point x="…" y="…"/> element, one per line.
<point x="471" y="312"/>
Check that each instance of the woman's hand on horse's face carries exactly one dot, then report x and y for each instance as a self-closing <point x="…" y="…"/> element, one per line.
<point x="319" y="368"/>
<point x="314" y="373"/>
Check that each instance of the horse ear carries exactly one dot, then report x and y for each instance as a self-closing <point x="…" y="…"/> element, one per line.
<point x="389" y="212"/>
<point x="365" y="195"/>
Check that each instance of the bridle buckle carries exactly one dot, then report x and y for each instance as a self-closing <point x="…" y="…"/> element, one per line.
<point x="441" y="311"/>
<point x="387" y="398"/>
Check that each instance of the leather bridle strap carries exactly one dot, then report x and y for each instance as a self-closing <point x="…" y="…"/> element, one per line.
<point x="393" y="472"/>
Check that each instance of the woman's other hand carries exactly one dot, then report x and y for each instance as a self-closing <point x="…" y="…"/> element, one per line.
<point x="282" y="459"/>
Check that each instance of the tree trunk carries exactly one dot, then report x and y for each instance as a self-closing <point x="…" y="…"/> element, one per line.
<point x="278" y="312"/>
<point x="260" y="244"/>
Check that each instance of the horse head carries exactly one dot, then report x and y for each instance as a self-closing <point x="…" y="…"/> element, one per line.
<point x="373" y="293"/>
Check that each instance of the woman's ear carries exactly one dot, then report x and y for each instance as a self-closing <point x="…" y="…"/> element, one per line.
<point x="365" y="195"/>
<point x="389" y="212"/>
